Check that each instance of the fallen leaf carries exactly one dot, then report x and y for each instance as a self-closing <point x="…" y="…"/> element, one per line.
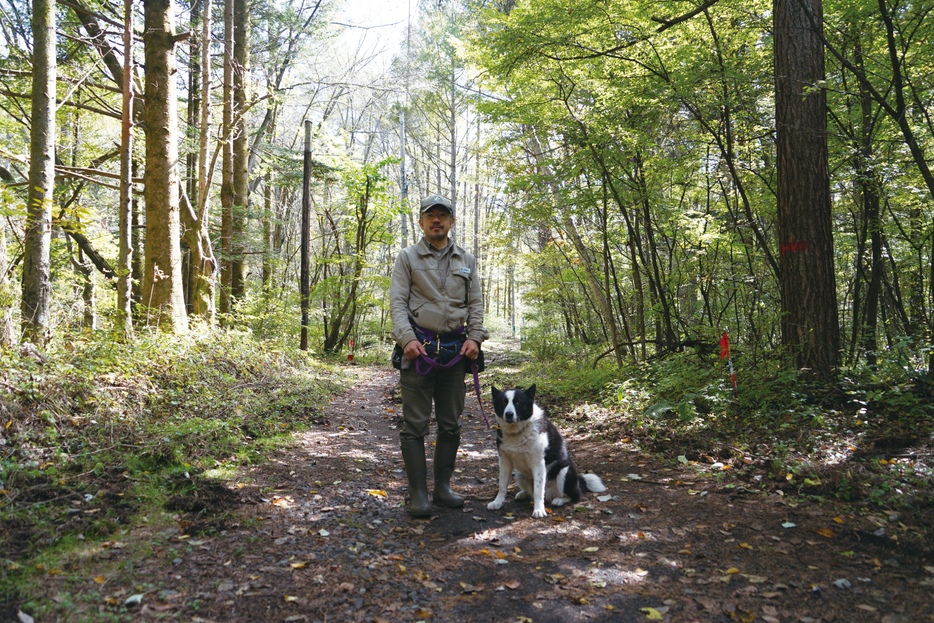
<point x="788" y="524"/>
<point x="731" y="571"/>
<point x="866" y="608"/>
<point x="378" y="492"/>
<point x="512" y="584"/>
<point x="651" y="614"/>
<point x="825" y="532"/>
<point x="470" y="588"/>
<point x="838" y="519"/>
<point x="290" y="598"/>
<point x="591" y="549"/>
<point x="297" y="565"/>
<point x="100" y="579"/>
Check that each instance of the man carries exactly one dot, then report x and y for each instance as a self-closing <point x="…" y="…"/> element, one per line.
<point x="434" y="287"/>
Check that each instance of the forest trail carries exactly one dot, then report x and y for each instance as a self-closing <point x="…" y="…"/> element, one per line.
<point x="320" y="534"/>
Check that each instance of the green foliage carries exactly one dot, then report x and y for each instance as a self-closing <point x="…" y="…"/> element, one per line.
<point x="778" y="433"/>
<point x="103" y="415"/>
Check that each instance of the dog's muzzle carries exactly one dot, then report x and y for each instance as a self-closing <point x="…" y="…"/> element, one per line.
<point x="510" y="417"/>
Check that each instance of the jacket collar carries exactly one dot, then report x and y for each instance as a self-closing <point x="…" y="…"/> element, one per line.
<point x="424" y="247"/>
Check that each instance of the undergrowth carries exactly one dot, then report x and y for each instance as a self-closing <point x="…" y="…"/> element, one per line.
<point x="866" y="440"/>
<point x="97" y="433"/>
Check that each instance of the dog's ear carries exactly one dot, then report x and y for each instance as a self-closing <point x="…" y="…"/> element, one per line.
<point x="531" y="392"/>
<point x="496" y="392"/>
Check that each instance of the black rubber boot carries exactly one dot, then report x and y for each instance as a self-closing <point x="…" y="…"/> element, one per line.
<point x="445" y="455"/>
<point x="413" y="453"/>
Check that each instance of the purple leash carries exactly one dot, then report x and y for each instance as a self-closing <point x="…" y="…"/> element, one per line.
<point x="432" y="363"/>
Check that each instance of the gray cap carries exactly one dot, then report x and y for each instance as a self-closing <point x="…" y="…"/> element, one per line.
<point x="439" y="201"/>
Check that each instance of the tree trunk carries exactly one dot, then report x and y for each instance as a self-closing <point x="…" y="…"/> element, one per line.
<point x="6" y="294"/>
<point x="227" y="164"/>
<point x="241" y="152"/>
<point x="136" y="259"/>
<point x="162" y="273"/>
<point x="201" y="261"/>
<point x="123" y="319"/>
<point x="453" y="127"/>
<point x="267" y="233"/>
<point x="37" y="287"/>
<point x="810" y="326"/>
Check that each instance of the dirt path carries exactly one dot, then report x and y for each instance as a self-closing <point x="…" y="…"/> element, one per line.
<point x="321" y="534"/>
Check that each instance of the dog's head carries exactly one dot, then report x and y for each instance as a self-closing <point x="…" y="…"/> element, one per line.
<point x="514" y="405"/>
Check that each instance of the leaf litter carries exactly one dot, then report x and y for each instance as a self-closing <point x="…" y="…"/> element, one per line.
<point x="664" y="543"/>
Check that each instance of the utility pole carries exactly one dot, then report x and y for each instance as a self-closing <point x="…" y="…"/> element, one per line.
<point x="306" y="227"/>
<point x="403" y="213"/>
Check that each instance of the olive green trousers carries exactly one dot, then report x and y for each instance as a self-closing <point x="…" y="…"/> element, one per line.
<point x="444" y="388"/>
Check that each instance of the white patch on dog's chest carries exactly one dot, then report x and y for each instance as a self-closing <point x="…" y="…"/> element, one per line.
<point x="524" y="444"/>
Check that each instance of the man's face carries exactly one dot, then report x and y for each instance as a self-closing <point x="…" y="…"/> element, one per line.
<point x="436" y="223"/>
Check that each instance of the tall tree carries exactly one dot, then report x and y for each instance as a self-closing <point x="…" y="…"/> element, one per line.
<point x="37" y="287"/>
<point x="124" y="320"/>
<point x="162" y="277"/>
<point x="7" y="297"/>
<point x="810" y="325"/>
<point x="227" y="162"/>
<point x="241" y="150"/>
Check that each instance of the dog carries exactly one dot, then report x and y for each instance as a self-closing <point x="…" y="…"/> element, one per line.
<point x="531" y="446"/>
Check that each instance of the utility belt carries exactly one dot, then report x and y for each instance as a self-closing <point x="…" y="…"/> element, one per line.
<point x="443" y="350"/>
<point x="443" y="353"/>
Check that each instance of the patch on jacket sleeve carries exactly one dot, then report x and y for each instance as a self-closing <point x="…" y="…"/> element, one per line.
<point x="465" y="270"/>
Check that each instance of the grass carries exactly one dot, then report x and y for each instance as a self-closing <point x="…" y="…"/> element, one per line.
<point x="103" y="438"/>
<point x="109" y="444"/>
<point x="865" y="442"/>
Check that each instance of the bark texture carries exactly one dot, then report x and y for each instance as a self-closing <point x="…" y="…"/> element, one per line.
<point x="162" y="273"/>
<point x="810" y="327"/>
<point x="37" y="288"/>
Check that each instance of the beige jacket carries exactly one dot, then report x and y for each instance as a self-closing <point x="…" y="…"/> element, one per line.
<point x="438" y="301"/>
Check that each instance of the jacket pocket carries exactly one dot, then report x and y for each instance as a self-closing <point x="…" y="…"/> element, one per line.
<point x="458" y="284"/>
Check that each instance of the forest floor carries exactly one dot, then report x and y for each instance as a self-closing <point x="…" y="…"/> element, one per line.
<point x="320" y="533"/>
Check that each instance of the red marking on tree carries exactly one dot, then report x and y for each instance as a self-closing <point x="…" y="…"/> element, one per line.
<point x="792" y="247"/>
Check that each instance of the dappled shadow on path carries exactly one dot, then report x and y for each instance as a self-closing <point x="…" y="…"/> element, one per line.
<point x="321" y="534"/>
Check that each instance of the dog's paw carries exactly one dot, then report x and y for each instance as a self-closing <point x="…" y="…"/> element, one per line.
<point x="560" y="501"/>
<point x="539" y="513"/>
<point x="495" y="505"/>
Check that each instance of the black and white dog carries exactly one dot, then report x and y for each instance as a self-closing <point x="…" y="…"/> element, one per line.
<point x="531" y="446"/>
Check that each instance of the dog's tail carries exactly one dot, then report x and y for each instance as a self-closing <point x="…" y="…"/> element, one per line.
<point x="592" y="483"/>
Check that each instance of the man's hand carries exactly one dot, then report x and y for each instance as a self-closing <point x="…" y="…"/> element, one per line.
<point x="470" y="349"/>
<point x="413" y="349"/>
